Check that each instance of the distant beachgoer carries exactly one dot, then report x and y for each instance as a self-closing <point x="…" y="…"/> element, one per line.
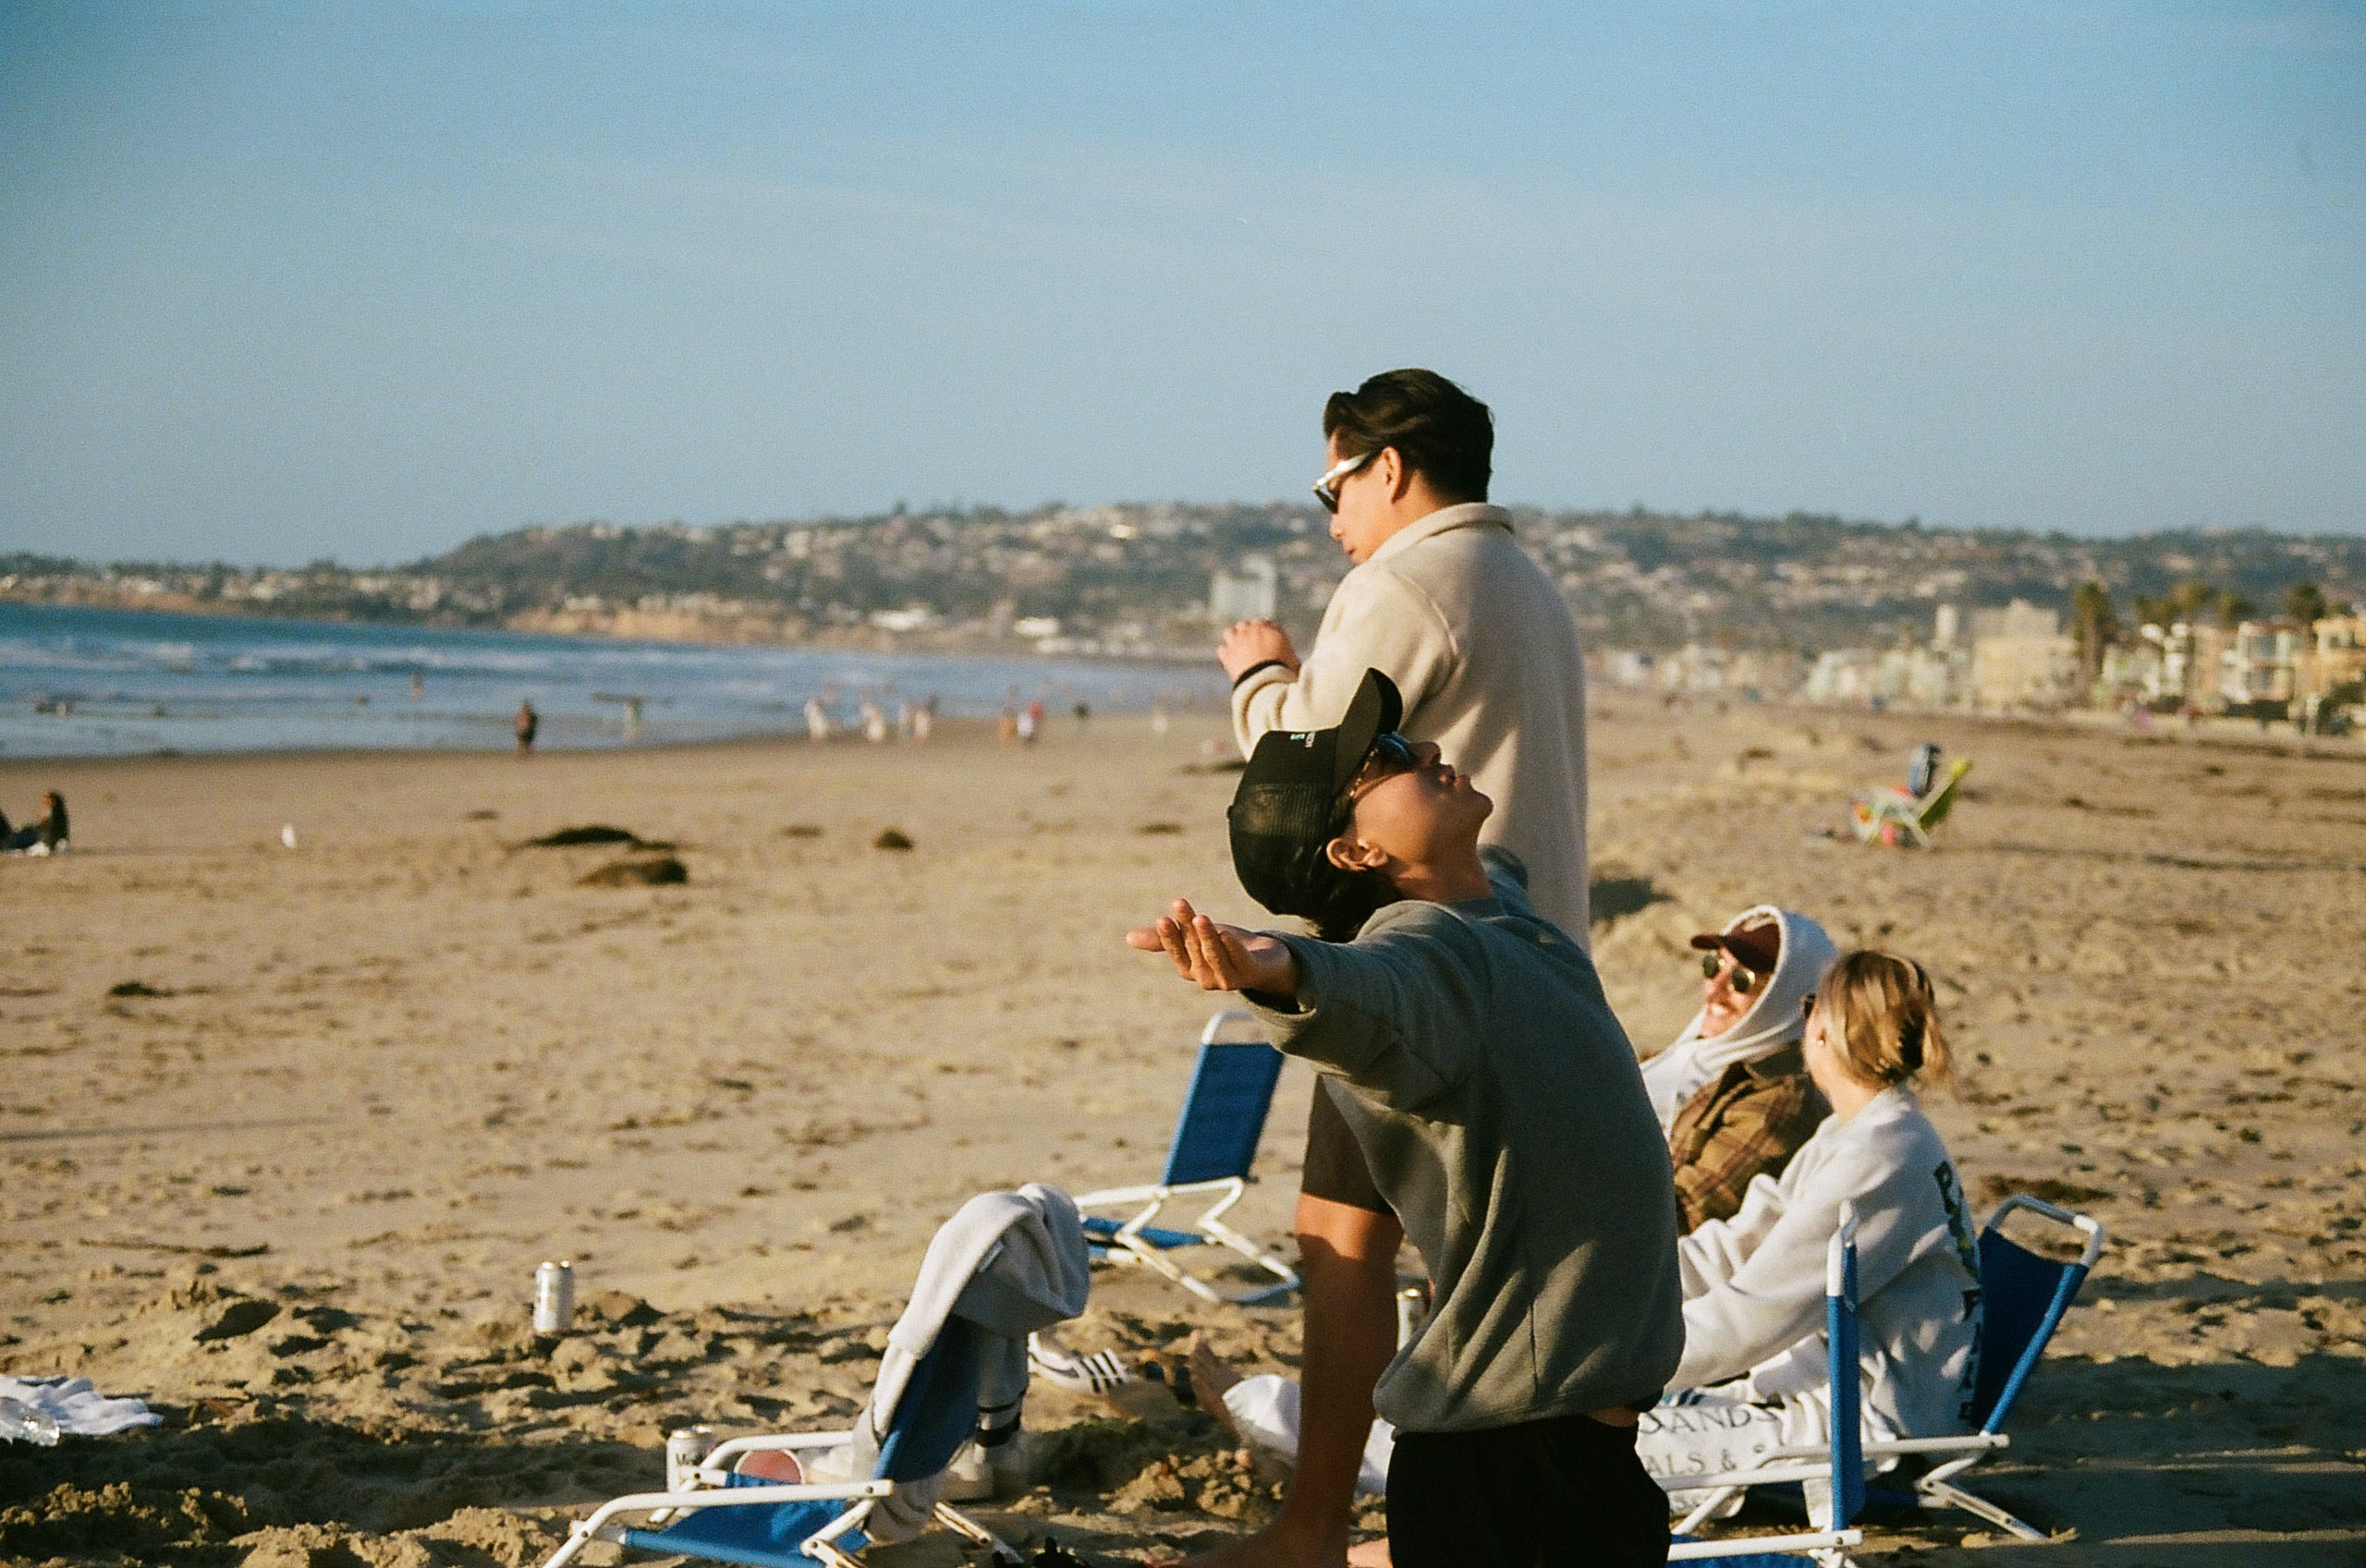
<point x="632" y="718"/>
<point x="527" y="723"/>
<point x="1083" y="716"/>
<point x="1922" y="769"/>
<point x="1158" y="720"/>
<point x="875" y="723"/>
<point x="924" y="718"/>
<point x="1006" y="729"/>
<point x="47" y="836"/>
<point x="418" y="685"/>
<point x="1030" y="723"/>
<point x="817" y="720"/>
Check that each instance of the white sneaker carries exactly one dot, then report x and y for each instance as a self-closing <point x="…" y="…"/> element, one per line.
<point x="979" y="1473"/>
<point x="970" y="1477"/>
<point x="1096" y="1373"/>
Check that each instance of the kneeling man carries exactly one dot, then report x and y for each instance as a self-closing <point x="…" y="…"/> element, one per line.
<point x="1467" y="1043"/>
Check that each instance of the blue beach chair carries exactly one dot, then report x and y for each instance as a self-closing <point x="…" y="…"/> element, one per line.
<point x="2022" y="1298"/>
<point x="730" y="1518"/>
<point x="1839" y="1462"/>
<point x="1215" y="1144"/>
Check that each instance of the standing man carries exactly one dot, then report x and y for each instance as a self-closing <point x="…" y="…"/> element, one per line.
<point x="1445" y="602"/>
<point x="1484" y="650"/>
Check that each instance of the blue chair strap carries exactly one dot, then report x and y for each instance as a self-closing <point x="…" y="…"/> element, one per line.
<point x="761" y="1535"/>
<point x="1840" y="1329"/>
<point x="939" y="1407"/>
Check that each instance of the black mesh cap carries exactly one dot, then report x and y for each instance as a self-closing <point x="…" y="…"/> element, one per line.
<point x="1281" y="815"/>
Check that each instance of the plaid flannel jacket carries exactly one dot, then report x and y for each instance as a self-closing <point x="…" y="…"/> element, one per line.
<point x="1748" y="1122"/>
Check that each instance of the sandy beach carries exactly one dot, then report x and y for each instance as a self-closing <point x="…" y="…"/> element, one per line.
<point x="284" y="1132"/>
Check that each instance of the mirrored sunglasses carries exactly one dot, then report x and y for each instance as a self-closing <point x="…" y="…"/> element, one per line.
<point x="1745" y="980"/>
<point x="1326" y="489"/>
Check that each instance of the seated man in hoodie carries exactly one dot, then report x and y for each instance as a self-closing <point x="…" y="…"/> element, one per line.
<point x="1467" y="1043"/>
<point x="1732" y="1092"/>
<point x="1754" y="1358"/>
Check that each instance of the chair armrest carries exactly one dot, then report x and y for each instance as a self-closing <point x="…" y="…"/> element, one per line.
<point x="1112" y="1196"/>
<point x="1970" y="1442"/>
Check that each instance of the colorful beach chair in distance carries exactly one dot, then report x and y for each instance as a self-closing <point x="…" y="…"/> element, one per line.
<point x="1210" y="1156"/>
<point x="1839" y="1462"/>
<point x="1895" y="818"/>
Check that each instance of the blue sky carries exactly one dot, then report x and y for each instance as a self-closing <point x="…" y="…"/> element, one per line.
<point x="285" y="282"/>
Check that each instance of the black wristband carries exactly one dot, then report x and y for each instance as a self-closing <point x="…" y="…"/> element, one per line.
<point x="1260" y="665"/>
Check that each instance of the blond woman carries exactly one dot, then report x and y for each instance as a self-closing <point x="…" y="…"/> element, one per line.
<point x="1753" y="1370"/>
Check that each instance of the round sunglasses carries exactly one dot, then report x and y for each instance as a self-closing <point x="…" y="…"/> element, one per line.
<point x="1745" y="979"/>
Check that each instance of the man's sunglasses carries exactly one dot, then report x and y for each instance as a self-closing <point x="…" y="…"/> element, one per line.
<point x="1745" y="979"/>
<point x="1326" y="489"/>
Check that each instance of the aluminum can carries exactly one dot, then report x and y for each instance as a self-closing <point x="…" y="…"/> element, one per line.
<point x="554" y="1299"/>
<point x="686" y="1448"/>
<point x="1412" y="1311"/>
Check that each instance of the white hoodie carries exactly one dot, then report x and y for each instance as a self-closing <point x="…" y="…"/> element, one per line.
<point x="1694" y="1060"/>
<point x="1753" y="1284"/>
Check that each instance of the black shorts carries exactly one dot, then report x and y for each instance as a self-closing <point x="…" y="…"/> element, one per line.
<point x="1568" y="1492"/>
<point x="1335" y="1169"/>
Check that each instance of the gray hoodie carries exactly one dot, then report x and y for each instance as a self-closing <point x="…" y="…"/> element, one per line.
<point x="1498" y="1104"/>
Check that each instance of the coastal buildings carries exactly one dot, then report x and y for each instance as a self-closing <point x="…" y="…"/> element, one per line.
<point x="2020" y="660"/>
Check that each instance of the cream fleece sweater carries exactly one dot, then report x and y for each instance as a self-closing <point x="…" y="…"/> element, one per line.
<point x="1486" y="651"/>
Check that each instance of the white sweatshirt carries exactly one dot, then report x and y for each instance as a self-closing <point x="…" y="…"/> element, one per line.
<point x="1753" y="1284"/>
<point x="1486" y="651"/>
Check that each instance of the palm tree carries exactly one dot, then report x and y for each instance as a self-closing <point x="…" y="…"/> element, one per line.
<point x="2092" y="627"/>
<point x="2305" y="602"/>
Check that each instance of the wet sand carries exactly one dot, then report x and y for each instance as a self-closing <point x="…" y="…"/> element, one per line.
<point x="284" y="1132"/>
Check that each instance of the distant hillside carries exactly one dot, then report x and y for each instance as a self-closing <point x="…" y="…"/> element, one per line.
<point x="1135" y="578"/>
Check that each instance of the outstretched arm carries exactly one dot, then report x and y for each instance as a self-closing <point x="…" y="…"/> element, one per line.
<point x="1219" y="957"/>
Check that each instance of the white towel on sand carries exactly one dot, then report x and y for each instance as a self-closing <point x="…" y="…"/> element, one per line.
<point x="78" y="1407"/>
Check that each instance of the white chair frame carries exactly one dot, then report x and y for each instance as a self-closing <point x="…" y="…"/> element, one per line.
<point x="716" y="1491"/>
<point x="1935" y="1488"/>
<point x="1127" y="1246"/>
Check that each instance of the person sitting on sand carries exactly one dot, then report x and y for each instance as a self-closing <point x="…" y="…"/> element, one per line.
<point x="50" y="836"/>
<point x="1732" y="1092"/>
<point x="1466" y="1045"/>
<point x="1754" y="1367"/>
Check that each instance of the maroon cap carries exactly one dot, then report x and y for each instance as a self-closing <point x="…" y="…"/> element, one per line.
<point x="1754" y="946"/>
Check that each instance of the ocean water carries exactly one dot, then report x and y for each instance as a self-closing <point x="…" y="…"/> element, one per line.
<point x="81" y="682"/>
